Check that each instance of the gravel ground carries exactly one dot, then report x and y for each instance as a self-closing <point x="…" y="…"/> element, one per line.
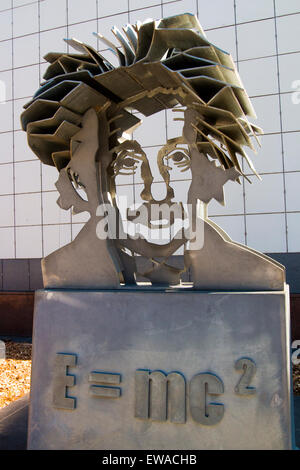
<point x="296" y="379"/>
<point x="15" y="373"/>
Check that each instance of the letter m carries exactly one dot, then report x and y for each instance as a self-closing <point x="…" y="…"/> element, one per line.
<point x="160" y="396"/>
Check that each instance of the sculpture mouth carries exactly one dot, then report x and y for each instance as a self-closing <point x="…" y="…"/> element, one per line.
<point x="159" y="224"/>
<point x="151" y="225"/>
<point x="157" y="216"/>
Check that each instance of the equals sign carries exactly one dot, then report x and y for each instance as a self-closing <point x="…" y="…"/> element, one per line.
<point x="107" y="389"/>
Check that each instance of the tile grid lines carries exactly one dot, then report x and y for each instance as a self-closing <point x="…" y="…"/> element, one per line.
<point x="72" y="222"/>
<point x="137" y="184"/>
<point x="97" y="13"/>
<point x="247" y="174"/>
<point x="104" y="16"/>
<point x="237" y="64"/>
<point x="210" y="215"/>
<point x="41" y="169"/>
<point x="253" y="21"/>
<point x="67" y="25"/>
<point x="68" y="50"/>
<point x="165" y="113"/>
<point x="129" y="21"/>
<point x="67" y="18"/>
<point x="128" y="8"/>
<point x="281" y="129"/>
<point x="57" y="223"/>
<point x="13" y="143"/>
<point x="148" y="146"/>
<point x="250" y="96"/>
<point x="174" y="1"/>
<point x="19" y="6"/>
<point x="145" y="8"/>
<point x="207" y="30"/>
<point x="133" y="187"/>
<point x="154" y="182"/>
<point x="104" y="50"/>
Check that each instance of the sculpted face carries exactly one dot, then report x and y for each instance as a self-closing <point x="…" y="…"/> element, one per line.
<point x="77" y="121"/>
<point x="146" y="178"/>
<point x="156" y="190"/>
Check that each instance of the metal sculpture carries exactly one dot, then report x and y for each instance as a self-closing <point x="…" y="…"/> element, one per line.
<point x="81" y="120"/>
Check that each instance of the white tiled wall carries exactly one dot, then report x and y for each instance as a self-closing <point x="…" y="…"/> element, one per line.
<point x="263" y="38"/>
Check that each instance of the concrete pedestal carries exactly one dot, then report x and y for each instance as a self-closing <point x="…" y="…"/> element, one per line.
<point x="160" y="370"/>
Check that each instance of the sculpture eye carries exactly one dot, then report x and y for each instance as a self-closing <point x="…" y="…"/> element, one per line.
<point x="180" y="159"/>
<point x="129" y="162"/>
<point x="74" y="178"/>
<point x="77" y="184"/>
<point x="125" y="164"/>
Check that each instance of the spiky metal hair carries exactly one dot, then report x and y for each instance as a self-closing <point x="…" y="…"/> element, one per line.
<point x="161" y="63"/>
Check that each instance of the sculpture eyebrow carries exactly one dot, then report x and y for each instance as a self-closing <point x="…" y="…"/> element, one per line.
<point x="179" y="148"/>
<point x="173" y="140"/>
<point x="136" y="154"/>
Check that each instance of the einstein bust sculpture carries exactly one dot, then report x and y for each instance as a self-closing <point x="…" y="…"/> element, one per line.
<point x="84" y="120"/>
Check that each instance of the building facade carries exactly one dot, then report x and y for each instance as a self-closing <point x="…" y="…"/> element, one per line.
<point x="263" y="38"/>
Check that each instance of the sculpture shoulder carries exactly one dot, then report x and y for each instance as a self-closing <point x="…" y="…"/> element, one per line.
<point x="86" y="262"/>
<point x="223" y="264"/>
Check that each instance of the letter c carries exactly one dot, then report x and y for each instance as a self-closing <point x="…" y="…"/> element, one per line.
<point x="201" y="386"/>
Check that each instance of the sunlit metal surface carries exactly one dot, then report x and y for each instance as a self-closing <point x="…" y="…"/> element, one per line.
<point x="81" y="120"/>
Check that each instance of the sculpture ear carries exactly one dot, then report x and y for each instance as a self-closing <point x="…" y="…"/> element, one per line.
<point x="90" y="120"/>
<point x="189" y="131"/>
<point x="88" y="135"/>
<point x="79" y="173"/>
<point x="89" y="125"/>
<point x="68" y="195"/>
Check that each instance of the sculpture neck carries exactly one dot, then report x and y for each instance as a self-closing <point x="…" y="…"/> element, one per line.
<point x="202" y="210"/>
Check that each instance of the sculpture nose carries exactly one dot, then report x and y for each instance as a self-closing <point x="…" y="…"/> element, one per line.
<point x="158" y="191"/>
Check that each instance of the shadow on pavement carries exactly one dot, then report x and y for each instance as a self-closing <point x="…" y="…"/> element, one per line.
<point x="13" y="425"/>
